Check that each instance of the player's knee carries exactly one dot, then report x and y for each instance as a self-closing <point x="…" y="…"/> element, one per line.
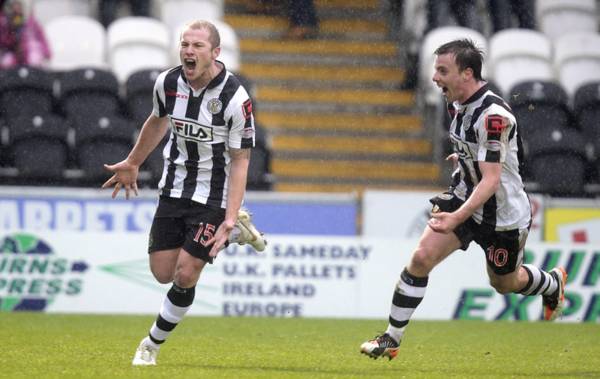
<point x="185" y="278"/>
<point x="421" y="262"/>
<point x="501" y="286"/>
<point x="163" y="277"/>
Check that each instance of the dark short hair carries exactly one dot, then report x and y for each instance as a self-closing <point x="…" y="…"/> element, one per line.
<point x="466" y="55"/>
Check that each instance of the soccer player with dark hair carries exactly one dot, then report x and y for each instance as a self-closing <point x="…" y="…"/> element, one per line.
<point x="485" y="203"/>
<point x="202" y="187"/>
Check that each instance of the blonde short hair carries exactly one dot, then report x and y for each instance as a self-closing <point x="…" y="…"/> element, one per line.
<point x="213" y="33"/>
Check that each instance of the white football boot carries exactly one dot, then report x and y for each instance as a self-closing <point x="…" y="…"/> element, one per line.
<point x="146" y="353"/>
<point x="247" y="233"/>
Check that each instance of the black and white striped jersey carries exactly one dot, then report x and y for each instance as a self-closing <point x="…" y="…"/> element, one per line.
<point x="485" y="130"/>
<point x="204" y="124"/>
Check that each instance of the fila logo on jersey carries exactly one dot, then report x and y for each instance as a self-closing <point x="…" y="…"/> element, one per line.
<point x="192" y="130"/>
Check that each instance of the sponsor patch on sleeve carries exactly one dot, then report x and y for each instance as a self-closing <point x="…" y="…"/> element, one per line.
<point x="248" y="133"/>
<point x="247" y="108"/>
<point x="495" y="124"/>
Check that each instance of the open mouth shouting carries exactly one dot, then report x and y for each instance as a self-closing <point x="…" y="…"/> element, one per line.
<point x="189" y="64"/>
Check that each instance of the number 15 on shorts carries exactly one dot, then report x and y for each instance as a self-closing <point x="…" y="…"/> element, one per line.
<point x="204" y="233"/>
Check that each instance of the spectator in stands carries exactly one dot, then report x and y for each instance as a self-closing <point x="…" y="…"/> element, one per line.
<point x="464" y="12"/>
<point x="22" y="39"/>
<point x="108" y="9"/>
<point x="303" y="19"/>
<point x="503" y="13"/>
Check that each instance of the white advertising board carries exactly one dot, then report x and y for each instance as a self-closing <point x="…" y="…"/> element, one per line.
<point x="297" y="276"/>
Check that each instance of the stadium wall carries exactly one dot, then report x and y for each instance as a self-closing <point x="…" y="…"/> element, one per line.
<point x="75" y="252"/>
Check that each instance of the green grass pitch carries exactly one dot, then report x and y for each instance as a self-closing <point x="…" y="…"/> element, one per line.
<point x="34" y="345"/>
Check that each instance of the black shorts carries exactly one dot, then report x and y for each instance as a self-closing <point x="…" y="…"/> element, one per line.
<point x="184" y="223"/>
<point x="503" y="249"/>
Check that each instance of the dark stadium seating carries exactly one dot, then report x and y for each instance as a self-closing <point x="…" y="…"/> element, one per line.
<point x="259" y="177"/>
<point x="154" y="163"/>
<point x="539" y="106"/>
<point x="586" y="105"/>
<point x="89" y="93"/>
<point x="138" y="95"/>
<point x="106" y="139"/>
<point x="25" y="91"/>
<point x="259" y="171"/>
<point x="557" y="161"/>
<point x="38" y="148"/>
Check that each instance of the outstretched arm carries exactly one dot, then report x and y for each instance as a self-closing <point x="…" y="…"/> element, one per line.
<point x="125" y="172"/>
<point x="240" y="159"/>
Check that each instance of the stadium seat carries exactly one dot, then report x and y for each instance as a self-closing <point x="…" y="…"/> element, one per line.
<point x="557" y="162"/>
<point x="108" y="139"/>
<point x="154" y="164"/>
<point x="230" y="47"/>
<point x="577" y="59"/>
<point x="38" y="148"/>
<point x="518" y="55"/>
<point x="558" y="17"/>
<point x="259" y="170"/>
<point x="539" y="106"/>
<point x="137" y="43"/>
<point x="87" y="93"/>
<point x="586" y="105"/>
<point x="431" y="42"/>
<point x="176" y="12"/>
<point x="138" y="95"/>
<point x="47" y="10"/>
<point x="76" y="42"/>
<point x="587" y="112"/>
<point x="26" y="91"/>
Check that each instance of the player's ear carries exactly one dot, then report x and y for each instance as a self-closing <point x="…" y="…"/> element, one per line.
<point x="467" y="74"/>
<point x="215" y="52"/>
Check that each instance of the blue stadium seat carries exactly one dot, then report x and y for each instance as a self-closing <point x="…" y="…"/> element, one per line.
<point x="89" y="93"/>
<point x="39" y="148"/>
<point x="26" y="91"/>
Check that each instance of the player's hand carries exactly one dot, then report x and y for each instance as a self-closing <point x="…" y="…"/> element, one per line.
<point x="443" y="222"/>
<point x="124" y="176"/>
<point x="219" y="239"/>
<point x="453" y="158"/>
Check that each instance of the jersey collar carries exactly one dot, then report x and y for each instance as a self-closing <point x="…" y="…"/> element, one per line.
<point x="476" y="95"/>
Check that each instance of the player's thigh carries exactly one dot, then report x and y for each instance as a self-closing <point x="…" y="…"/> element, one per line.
<point x="504" y="255"/>
<point x="188" y="269"/>
<point x="433" y="247"/>
<point x="163" y="263"/>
